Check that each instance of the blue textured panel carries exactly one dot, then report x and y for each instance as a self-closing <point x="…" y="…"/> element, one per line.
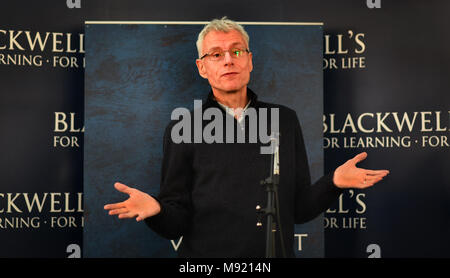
<point x="136" y="75"/>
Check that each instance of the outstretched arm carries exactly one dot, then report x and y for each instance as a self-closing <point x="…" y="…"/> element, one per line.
<point x="169" y="213"/>
<point x="313" y="200"/>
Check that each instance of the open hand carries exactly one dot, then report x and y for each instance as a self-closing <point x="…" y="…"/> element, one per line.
<point x="349" y="176"/>
<point x="139" y="204"/>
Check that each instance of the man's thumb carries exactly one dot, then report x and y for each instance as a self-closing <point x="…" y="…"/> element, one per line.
<point x="359" y="157"/>
<point x="122" y="187"/>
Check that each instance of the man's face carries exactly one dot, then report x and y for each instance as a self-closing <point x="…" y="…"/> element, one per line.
<point x="227" y="75"/>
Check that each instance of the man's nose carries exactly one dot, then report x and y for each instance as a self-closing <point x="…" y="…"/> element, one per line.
<point x="227" y="58"/>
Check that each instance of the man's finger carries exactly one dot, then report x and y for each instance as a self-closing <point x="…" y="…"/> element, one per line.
<point x="127" y="215"/>
<point x="122" y="188"/>
<point x="373" y="179"/>
<point x="359" y="157"/>
<point x="368" y="183"/>
<point x="139" y="218"/>
<point x="114" y="206"/>
<point x="376" y="172"/>
<point x="118" y="211"/>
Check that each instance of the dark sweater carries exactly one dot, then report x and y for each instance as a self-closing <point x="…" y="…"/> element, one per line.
<point x="209" y="192"/>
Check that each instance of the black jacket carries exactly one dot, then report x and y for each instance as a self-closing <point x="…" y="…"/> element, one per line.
<point x="209" y="192"/>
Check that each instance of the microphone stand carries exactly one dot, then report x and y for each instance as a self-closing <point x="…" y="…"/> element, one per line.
<point x="272" y="209"/>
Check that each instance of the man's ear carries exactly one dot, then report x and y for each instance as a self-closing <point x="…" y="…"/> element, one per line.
<point x="251" y="61"/>
<point x="201" y="68"/>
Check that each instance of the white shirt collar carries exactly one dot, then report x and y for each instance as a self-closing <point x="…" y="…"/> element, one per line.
<point x="235" y="111"/>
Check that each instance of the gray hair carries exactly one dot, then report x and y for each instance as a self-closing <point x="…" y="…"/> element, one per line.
<point x="223" y="25"/>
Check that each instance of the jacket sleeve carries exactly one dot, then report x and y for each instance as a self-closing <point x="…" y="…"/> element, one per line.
<point x="311" y="200"/>
<point x="174" y="197"/>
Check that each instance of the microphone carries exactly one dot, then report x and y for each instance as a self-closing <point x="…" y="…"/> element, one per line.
<point x="276" y="154"/>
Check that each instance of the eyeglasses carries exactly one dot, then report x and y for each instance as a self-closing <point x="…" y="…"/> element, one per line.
<point x="218" y="55"/>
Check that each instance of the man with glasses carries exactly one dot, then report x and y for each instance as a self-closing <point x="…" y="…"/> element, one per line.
<point x="209" y="191"/>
